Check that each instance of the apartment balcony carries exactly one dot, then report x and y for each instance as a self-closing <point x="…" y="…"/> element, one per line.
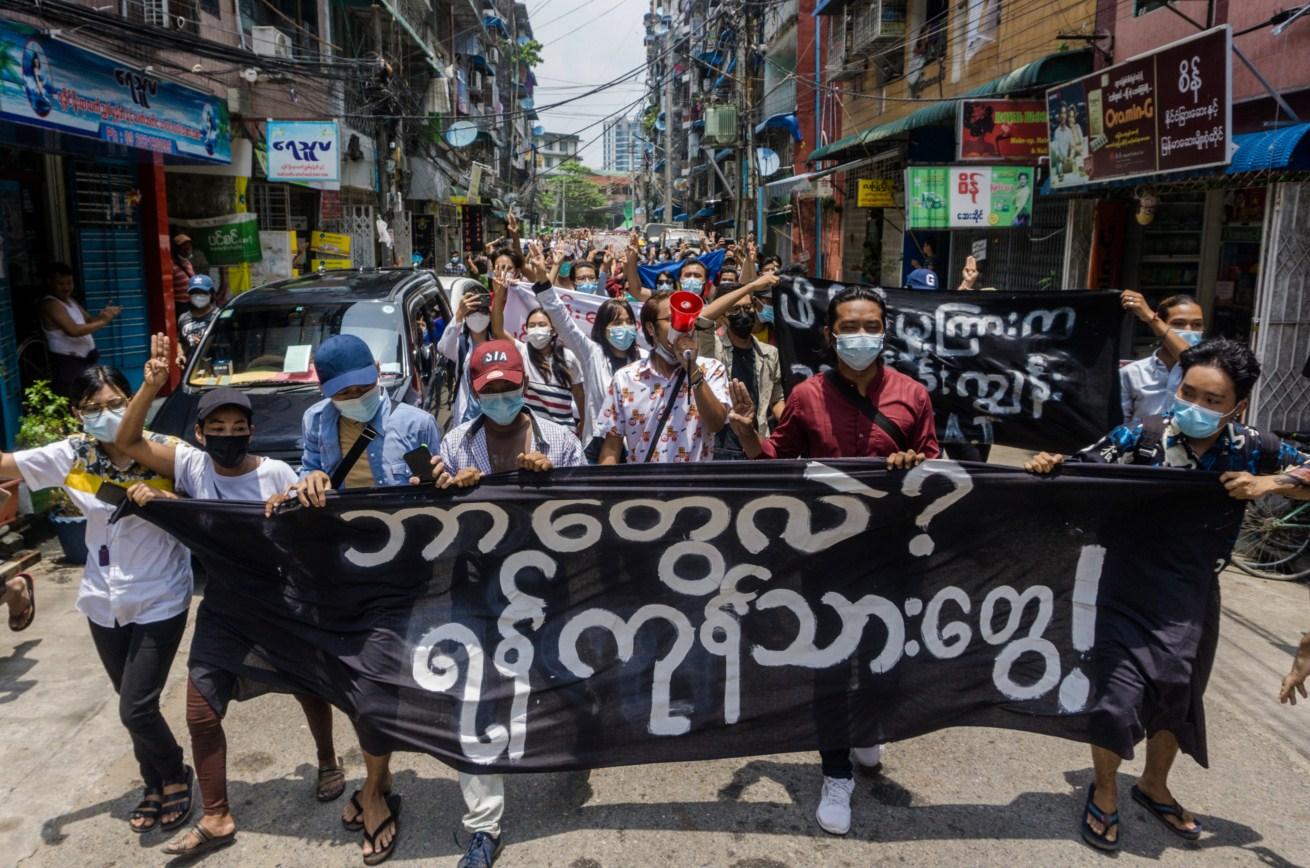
<point x="864" y="33"/>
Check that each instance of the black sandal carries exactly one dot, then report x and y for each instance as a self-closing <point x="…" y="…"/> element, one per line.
<point x="1163" y="812"/>
<point x="357" y="824"/>
<point x="148" y="809"/>
<point x="179" y="803"/>
<point x="1100" y="840"/>
<point x="377" y="857"/>
<point x="334" y="775"/>
<point x="29" y="615"/>
<point x="208" y="842"/>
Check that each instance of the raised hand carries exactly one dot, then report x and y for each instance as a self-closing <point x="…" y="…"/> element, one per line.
<point x="1136" y="303"/>
<point x="742" y="411"/>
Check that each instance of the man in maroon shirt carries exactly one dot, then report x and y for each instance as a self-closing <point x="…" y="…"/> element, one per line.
<point x="861" y="409"/>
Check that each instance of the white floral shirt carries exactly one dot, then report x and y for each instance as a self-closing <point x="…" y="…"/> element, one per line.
<point x="635" y="402"/>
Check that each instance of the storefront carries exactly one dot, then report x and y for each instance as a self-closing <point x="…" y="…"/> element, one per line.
<point x="83" y="141"/>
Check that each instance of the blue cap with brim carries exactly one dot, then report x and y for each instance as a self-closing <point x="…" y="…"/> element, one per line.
<point x="343" y="361"/>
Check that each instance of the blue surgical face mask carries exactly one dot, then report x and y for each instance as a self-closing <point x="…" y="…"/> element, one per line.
<point x="501" y="407"/>
<point x="692" y="285"/>
<point x="1192" y="338"/>
<point x="363" y="408"/>
<point x="590" y="286"/>
<point x="103" y="426"/>
<point x="1194" y="420"/>
<point x="766" y="314"/>
<point x="621" y="337"/>
<point x="859" y="350"/>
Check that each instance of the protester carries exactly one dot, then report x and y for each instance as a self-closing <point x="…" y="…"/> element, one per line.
<point x="586" y="278"/>
<point x="554" y="386"/>
<point x="356" y="417"/>
<point x="506" y="436"/>
<point x="862" y="408"/>
<point x="668" y="406"/>
<point x="183" y="269"/>
<point x="191" y="325"/>
<point x="746" y="357"/>
<point x="611" y="344"/>
<point x="221" y="469"/>
<point x="1199" y="432"/>
<point x="470" y="328"/>
<point x="771" y="264"/>
<point x="1147" y="386"/>
<point x="923" y="279"/>
<point x="68" y="330"/>
<point x="136" y="585"/>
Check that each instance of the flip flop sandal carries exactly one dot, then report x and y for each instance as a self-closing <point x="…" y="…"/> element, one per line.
<point x="331" y="783"/>
<point x="377" y="857"/>
<point x="1099" y="840"/>
<point x="209" y="842"/>
<point x="1163" y="812"/>
<point x="147" y="809"/>
<point x="357" y="824"/>
<point x="179" y="803"/>
<point x="29" y="615"/>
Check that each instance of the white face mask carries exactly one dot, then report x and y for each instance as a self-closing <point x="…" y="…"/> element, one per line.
<point x="199" y="301"/>
<point x="539" y="336"/>
<point x="478" y="322"/>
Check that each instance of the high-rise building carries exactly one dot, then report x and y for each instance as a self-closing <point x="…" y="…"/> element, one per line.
<point x="623" y="140"/>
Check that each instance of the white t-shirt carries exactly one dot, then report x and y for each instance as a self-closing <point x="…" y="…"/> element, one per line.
<point x="135" y="573"/>
<point x="194" y="476"/>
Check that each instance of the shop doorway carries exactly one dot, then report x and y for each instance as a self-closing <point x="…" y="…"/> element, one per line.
<point x="24" y="254"/>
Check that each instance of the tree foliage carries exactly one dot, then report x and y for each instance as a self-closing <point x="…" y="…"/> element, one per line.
<point x="583" y="197"/>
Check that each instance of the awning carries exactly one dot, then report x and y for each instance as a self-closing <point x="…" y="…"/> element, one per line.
<point x="724" y="224"/>
<point x="710" y="58"/>
<point x="719" y="82"/>
<point x="680" y="218"/>
<point x="785" y="121"/>
<point x="698" y="124"/>
<point x="830" y="7"/>
<point x="495" y="22"/>
<point x="720" y="154"/>
<point x="1049" y="70"/>
<point x="703" y="213"/>
<point x="785" y="186"/>
<point x="657" y="212"/>
<point x="658" y="167"/>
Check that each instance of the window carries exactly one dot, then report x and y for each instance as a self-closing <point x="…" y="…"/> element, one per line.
<point x="1141" y="7"/>
<point x="182" y="15"/>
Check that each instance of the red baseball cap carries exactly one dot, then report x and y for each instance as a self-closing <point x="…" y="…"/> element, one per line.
<point x="494" y="361"/>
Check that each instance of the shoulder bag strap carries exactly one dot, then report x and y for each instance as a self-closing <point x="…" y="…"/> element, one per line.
<point x="872" y="413"/>
<point x="674" y="391"/>
<point x="348" y="461"/>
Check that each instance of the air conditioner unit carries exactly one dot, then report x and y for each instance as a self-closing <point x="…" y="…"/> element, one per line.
<point x="721" y="124"/>
<point x="270" y="42"/>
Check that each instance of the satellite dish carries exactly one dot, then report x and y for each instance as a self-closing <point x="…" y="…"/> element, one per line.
<point x="522" y="40"/>
<point x="768" y="161"/>
<point x="461" y="134"/>
<point x="538" y="130"/>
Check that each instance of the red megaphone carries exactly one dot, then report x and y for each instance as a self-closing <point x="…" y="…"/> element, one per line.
<point x="684" y="308"/>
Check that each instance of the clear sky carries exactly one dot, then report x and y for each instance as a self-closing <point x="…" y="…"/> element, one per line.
<point x="586" y="43"/>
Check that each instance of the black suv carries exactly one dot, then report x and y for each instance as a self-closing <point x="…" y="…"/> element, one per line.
<point x="263" y="343"/>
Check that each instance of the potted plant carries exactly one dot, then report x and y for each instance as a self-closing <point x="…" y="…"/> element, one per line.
<point x="47" y="418"/>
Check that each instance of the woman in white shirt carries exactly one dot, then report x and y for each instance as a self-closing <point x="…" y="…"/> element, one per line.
<point x="222" y="469"/>
<point x="471" y="326"/>
<point x="136" y="586"/>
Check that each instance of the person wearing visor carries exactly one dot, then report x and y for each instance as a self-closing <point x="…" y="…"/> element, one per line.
<point x="1199" y="431"/>
<point x="1147" y="386"/>
<point x="506" y="436"/>
<point x="221" y="469"/>
<point x="356" y="437"/>
<point x="192" y="323"/>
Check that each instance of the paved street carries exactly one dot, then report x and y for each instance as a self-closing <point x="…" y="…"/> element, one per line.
<point x="964" y="796"/>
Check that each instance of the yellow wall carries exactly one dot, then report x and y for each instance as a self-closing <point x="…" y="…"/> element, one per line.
<point x="1028" y="31"/>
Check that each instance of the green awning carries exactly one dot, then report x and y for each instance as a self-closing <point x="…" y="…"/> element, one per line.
<point x="1049" y="70"/>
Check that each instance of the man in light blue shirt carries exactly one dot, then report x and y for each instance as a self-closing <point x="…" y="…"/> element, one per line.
<point x="1147" y="386"/>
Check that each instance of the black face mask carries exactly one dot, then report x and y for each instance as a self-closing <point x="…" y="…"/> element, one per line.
<point x="742" y="322"/>
<point x="227" y="450"/>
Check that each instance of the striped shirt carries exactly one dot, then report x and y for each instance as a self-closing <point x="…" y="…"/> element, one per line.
<point x="546" y="396"/>
<point x="466" y="446"/>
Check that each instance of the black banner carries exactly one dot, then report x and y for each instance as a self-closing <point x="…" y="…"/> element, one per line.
<point x="1032" y="369"/>
<point x="612" y="616"/>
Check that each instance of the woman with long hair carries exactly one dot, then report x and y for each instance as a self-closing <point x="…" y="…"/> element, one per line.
<point x="554" y="385"/>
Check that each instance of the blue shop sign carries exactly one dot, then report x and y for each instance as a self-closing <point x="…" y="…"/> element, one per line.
<point x="46" y="82"/>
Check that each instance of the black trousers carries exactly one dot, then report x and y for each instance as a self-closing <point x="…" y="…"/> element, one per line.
<point x="137" y="658"/>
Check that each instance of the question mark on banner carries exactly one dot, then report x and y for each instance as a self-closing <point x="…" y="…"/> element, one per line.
<point x="922" y="545"/>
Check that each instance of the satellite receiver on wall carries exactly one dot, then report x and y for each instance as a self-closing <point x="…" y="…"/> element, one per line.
<point x="461" y="134"/>
<point x="767" y="160"/>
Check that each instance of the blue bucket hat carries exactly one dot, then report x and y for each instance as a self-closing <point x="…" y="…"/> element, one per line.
<point x="343" y="361"/>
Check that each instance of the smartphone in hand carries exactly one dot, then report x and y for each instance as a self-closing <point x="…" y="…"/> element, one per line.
<point x="420" y="463"/>
<point x="111" y="493"/>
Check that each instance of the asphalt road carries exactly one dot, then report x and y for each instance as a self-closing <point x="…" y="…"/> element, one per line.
<point x="961" y="796"/>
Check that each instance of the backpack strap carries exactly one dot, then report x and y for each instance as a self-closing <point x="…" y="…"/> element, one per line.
<point x="1271" y="446"/>
<point x="1150" y="446"/>
<point x="348" y="462"/>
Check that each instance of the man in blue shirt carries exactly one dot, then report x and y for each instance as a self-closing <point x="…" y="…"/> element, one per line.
<point x="357" y="438"/>
<point x="1199" y="432"/>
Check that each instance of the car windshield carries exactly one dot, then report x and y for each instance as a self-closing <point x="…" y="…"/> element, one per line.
<point x="274" y="344"/>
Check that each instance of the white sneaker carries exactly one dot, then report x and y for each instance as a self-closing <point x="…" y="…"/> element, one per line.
<point x="869" y="757"/>
<point x="834" y="813"/>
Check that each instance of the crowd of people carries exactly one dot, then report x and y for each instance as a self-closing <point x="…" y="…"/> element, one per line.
<point x="632" y="388"/>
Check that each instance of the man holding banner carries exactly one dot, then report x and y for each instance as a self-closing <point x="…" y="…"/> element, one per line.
<point x="863" y="408"/>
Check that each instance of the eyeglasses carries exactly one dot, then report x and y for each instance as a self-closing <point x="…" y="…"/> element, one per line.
<point x="116" y="404"/>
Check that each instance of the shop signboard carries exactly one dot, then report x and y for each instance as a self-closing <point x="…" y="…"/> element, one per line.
<point x="1002" y="131"/>
<point x="304" y="151"/>
<point x="1166" y="111"/>
<point x="232" y="239"/>
<point x="968" y="197"/>
<point x="875" y="193"/>
<point x="59" y="86"/>
<point x="335" y="244"/>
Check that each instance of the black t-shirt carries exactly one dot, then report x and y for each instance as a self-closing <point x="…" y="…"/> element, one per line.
<point x="743" y="368"/>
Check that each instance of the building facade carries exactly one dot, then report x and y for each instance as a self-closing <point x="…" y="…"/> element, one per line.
<point x="554" y="149"/>
<point x="623" y="145"/>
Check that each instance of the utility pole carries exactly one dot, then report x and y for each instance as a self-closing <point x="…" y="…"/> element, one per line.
<point x="668" y="129"/>
<point x="745" y="114"/>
